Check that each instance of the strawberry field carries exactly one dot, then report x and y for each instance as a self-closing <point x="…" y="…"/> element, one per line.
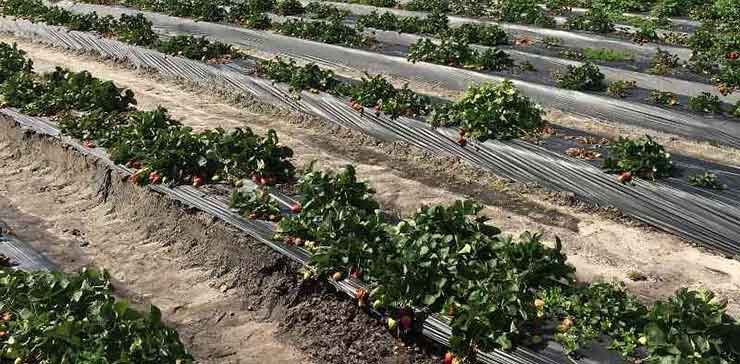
<point x="445" y="272"/>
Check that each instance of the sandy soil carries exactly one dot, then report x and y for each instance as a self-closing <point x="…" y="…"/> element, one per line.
<point x="600" y="248"/>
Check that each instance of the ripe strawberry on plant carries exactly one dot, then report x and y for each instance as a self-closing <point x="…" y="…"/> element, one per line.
<point x="356" y="273"/>
<point x="89" y="143"/>
<point x="155" y="177"/>
<point x="625" y="177"/>
<point x="362" y="296"/>
<point x="198" y="181"/>
<point x="407" y="321"/>
<point x="449" y="358"/>
<point x="295" y="208"/>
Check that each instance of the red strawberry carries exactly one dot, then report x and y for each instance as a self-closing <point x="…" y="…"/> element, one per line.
<point x="733" y="55"/>
<point x="198" y="181"/>
<point x="88" y="143"/>
<point x="356" y="273"/>
<point x="136" y="164"/>
<point x="407" y="321"/>
<point x="451" y="310"/>
<point x="136" y="178"/>
<point x="263" y="181"/>
<point x="625" y="177"/>
<point x="252" y="216"/>
<point x="449" y="358"/>
<point x="155" y="178"/>
<point x="361" y="295"/>
<point x="295" y="208"/>
<point x="298" y="241"/>
<point x="462" y="141"/>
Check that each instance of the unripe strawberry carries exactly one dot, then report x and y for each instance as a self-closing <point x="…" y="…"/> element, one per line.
<point x="337" y="276"/>
<point x="392" y="324"/>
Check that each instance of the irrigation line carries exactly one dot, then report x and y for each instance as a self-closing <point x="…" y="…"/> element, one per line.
<point x="426" y="75"/>
<point x="712" y="221"/>
<point x="433" y="328"/>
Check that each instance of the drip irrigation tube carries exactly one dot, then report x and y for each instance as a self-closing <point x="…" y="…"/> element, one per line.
<point x="436" y="76"/>
<point x="433" y="328"/>
<point x="568" y="38"/>
<point x="705" y="218"/>
<point x="23" y="256"/>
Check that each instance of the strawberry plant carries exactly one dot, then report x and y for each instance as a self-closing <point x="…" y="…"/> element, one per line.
<point x="75" y="318"/>
<point x="642" y="157"/>
<point x="288" y="7"/>
<point x="706" y="180"/>
<point x="706" y="103"/>
<point x="63" y="90"/>
<point x="663" y="98"/>
<point x="596" y="19"/>
<point x="692" y="327"/>
<point x="432" y="24"/>
<point x="496" y="309"/>
<point x="13" y="61"/>
<point x="491" y="111"/>
<point x="338" y="214"/>
<point x="586" y="77"/>
<point x="376" y="92"/>
<point x="483" y="34"/>
<point x="442" y="6"/>
<point x="621" y="88"/>
<point x="318" y="10"/>
<point x="736" y="111"/>
<point x="241" y="154"/>
<point x="458" y="53"/>
<point x="585" y="314"/>
<point x="98" y="126"/>
<point x="443" y="245"/>
<point x="716" y="44"/>
<point x="136" y="29"/>
<point x="255" y="204"/>
<point x="663" y="63"/>
<point x="198" y="48"/>
<point x="308" y="77"/>
<point x="331" y="32"/>
<point x="523" y="11"/>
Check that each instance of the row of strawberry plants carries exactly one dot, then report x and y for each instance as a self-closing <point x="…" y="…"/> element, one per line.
<point x="355" y="216"/>
<point x="498" y="292"/>
<point x="502" y="112"/>
<point x="252" y="14"/>
<point x="453" y="49"/>
<point x="75" y="318"/>
<point x="159" y="147"/>
<point x="484" y="112"/>
<point x="130" y="29"/>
